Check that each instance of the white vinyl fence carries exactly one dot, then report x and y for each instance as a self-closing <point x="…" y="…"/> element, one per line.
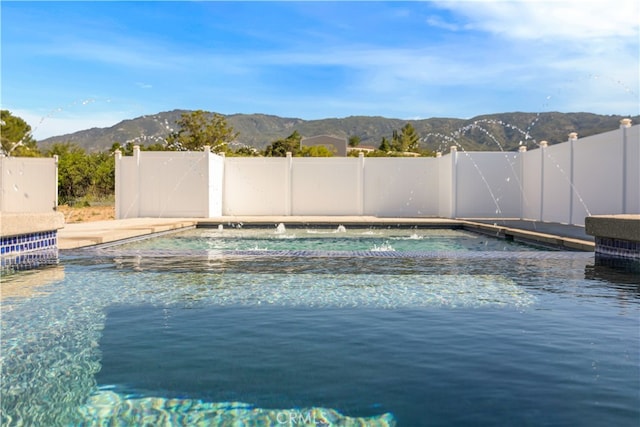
<point x="582" y="177"/>
<point x="168" y="184"/>
<point x="28" y="185"/>
<point x="561" y="183"/>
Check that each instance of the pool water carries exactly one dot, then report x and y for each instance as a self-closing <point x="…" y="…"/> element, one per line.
<point x="324" y="239"/>
<point x="188" y="329"/>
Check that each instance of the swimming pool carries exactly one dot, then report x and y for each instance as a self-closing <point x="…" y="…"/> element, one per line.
<point x="337" y="239"/>
<point x="280" y="327"/>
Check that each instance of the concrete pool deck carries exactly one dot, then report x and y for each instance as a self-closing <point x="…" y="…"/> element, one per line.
<point x="83" y="234"/>
<point x="79" y="235"/>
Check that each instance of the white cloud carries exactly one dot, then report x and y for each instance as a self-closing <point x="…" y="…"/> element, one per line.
<point x="554" y="20"/>
<point x="438" y="22"/>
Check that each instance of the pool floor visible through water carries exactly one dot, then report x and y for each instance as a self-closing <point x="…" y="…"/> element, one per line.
<point x="363" y="327"/>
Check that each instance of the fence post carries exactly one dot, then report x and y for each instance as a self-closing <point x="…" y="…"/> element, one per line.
<point x="624" y="125"/>
<point x="2" y="181"/>
<point x="206" y="151"/>
<point x="543" y="149"/>
<point x="573" y="137"/>
<point x="117" y="158"/>
<point x="454" y="181"/>
<point x="361" y="188"/>
<point x="289" y="185"/>
<point x="137" y="185"/>
<point x="55" y="179"/>
<point x="522" y="150"/>
<point x="440" y="182"/>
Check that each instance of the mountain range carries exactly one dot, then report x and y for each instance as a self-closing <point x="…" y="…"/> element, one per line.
<point x="502" y="131"/>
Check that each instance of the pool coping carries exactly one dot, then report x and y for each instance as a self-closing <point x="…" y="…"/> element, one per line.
<point x="88" y="234"/>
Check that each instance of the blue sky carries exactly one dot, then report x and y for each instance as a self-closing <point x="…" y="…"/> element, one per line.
<point x="69" y="66"/>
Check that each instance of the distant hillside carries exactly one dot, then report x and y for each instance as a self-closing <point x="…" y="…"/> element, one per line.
<point x="490" y="132"/>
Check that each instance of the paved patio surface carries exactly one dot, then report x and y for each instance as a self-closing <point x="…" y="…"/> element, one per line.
<point x="562" y="236"/>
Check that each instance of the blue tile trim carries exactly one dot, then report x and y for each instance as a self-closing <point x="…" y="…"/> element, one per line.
<point x="27" y="251"/>
<point x="14" y="245"/>
<point x="617" y="248"/>
<point x="28" y="261"/>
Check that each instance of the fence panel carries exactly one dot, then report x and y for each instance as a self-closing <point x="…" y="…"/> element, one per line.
<point x="173" y="184"/>
<point x="488" y="185"/>
<point x="256" y="186"/>
<point x="445" y="185"/>
<point x="326" y="186"/>
<point x="401" y="187"/>
<point x="127" y="181"/>
<point x="556" y="183"/>
<point x="632" y="169"/>
<point x="215" y="190"/>
<point x="597" y="176"/>
<point x="28" y="184"/>
<point x="531" y="184"/>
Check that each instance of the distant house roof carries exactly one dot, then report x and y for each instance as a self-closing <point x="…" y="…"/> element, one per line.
<point x="336" y="144"/>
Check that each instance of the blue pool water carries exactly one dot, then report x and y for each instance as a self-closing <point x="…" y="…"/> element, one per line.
<point x="334" y="239"/>
<point x="189" y="329"/>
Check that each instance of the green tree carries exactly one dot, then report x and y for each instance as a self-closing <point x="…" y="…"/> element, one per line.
<point x="406" y="140"/>
<point x="245" y="151"/>
<point x="74" y="171"/>
<point x="384" y="145"/>
<point x="315" y="151"/>
<point x="103" y="178"/>
<point x="354" y="141"/>
<point x="409" y="138"/>
<point x="280" y="147"/>
<point x="82" y="176"/>
<point x="15" y="136"/>
<point x="200" y="128"/>
<point x="127" y="148"/>
<point x="396" y="142"/>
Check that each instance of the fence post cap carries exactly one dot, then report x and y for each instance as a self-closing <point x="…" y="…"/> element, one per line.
<point x="625" y="123"/>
